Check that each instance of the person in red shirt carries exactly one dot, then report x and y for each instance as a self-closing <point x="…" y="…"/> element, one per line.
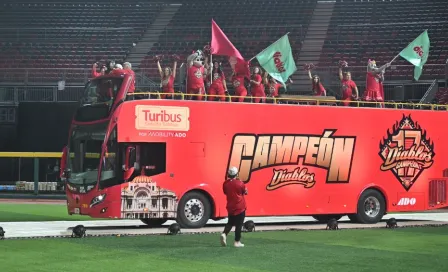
<point x="218" y="86"/>
<point x="256" y="86"/>
<point x="348" y="86"/>
<point x="127" y="67"/>
<point x="238" y="86"/>
<point x="119" y="70"/>
<point x="97" y="74"/>
<point x="167" y="77"/>
<point x="374" y="78"/>
<point x="196" y="74"/>
<point x="235" y="190"/>
<point x="318" y="88"/>
<point x="273" y="86"/>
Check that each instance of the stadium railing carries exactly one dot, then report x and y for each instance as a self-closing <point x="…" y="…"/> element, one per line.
<point x="294" y="99"/>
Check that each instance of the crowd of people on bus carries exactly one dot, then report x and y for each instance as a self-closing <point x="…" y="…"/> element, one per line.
<point x="205" y="78"/>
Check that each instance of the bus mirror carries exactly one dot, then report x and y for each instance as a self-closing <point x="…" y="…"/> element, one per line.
<point x="63" y="163"/>
<point x="128" y="173"/>
<point x="130" y="157"/>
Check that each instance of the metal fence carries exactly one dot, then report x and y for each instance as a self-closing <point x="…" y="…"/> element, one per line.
<point x="26" y="175"/>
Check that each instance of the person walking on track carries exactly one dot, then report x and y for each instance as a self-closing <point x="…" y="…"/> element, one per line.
<point x="235" y="190"/>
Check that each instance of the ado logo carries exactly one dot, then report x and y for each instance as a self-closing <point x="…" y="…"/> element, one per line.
<point x="406" y="201"/>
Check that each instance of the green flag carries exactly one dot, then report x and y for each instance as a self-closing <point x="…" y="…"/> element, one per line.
<point x="417" y="53"/>
<point x="277" y="60"/>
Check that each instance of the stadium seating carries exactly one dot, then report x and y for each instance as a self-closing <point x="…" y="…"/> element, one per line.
<point x="250" y="26"/>
<point x="70" y="35"/>
<point x="442" y="96"/>
<point x="350" y="37"/>
<point x="57" y="34"/>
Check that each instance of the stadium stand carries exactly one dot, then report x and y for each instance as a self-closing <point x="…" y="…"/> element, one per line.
<point x="72" y="34"/>
<point x="250" y="26"/>
<point x="360" y="30"/>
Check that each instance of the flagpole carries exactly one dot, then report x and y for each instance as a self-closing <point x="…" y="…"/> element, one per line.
<point x="268" y="46"/>
<point x="211" y="68"/>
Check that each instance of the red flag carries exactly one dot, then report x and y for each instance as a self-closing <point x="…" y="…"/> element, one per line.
<point x="241" y="67"/>
<point x="221" y="45"/>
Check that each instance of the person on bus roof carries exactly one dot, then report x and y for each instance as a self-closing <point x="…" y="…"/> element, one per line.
<point x="235" y="190"/>
<point x="167" y="77"/>
<point x="119" y="70"/>
<point x="97" y="74"/>
<point x="127" y="67"/>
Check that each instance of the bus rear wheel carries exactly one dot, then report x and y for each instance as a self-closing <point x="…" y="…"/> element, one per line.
<point x="324" y="218"/>
<point x="153" y="222"/>
<point x="371" y="208"/>
<point x="194" y="210"/>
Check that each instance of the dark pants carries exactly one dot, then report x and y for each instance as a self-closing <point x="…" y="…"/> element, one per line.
<point x="237" y="221"/>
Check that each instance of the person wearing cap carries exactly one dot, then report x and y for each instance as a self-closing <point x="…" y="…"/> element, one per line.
<point x="235" y="190"/>
<point x="128" y="69"/>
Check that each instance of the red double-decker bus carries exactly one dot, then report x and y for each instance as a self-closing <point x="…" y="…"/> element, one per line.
<point x="167" y="159"/>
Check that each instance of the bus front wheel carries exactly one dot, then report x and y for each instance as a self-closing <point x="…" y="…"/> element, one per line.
<point x="156" y="222"/>
<point x="194" y="210"/>
<point x="371" y="208"/>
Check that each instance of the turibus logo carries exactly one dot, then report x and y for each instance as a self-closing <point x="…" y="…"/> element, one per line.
<point x="162" y="118"/>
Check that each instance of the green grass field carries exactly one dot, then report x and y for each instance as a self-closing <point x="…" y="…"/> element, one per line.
<point x="12" y="212"/>
<point x="407" y="249"/>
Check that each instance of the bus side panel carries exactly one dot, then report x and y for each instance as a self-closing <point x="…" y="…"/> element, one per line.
<point x="295" y="160"/>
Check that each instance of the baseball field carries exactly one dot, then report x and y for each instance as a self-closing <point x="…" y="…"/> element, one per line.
<point x="403" y="249"/>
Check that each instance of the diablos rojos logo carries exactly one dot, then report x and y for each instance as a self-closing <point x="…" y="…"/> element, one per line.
<point x="162" y="118"/>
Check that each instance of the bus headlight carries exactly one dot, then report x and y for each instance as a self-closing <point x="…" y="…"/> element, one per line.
<point x="97" y="200"/>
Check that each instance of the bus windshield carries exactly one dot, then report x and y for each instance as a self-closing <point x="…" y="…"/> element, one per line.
<point x="85" y="149"/>
<point x="101" y="90"/>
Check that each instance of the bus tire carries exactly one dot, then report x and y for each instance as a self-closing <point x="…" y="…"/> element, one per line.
<point x="153" y="222"/>
<point x="324" y="218"/>
<point x="194" y="210"/>
<point x="370" y="209"/>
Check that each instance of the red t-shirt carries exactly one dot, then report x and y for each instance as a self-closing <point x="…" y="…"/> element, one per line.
<point x="238" y="81"/>
<point x="256" y="87"/>
<point x="168" y="84"/>
<point x="319" y="89"/>
<point x="218" y="79"/>
<point x="196" y="77"/>
<point x="273" y="88"/>
<point x="348" y="86"/>
<point x="126" y="72"/>
<point x="373" y="82"/>
<point x="95" y="73"/>
<point x="234" y="189"/>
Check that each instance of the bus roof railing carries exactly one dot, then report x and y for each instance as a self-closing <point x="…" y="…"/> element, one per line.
<point x="298" y="99"/>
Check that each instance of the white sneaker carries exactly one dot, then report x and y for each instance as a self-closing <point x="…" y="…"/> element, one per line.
<point x="223" y="239"/>
<point x="238" y="244"/>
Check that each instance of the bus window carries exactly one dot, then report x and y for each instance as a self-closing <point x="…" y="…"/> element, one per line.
<point x="152" y="158"/>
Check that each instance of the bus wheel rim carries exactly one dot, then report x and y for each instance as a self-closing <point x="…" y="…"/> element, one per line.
<point x="372" y="207"/>
<point x="194" y="210"/>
